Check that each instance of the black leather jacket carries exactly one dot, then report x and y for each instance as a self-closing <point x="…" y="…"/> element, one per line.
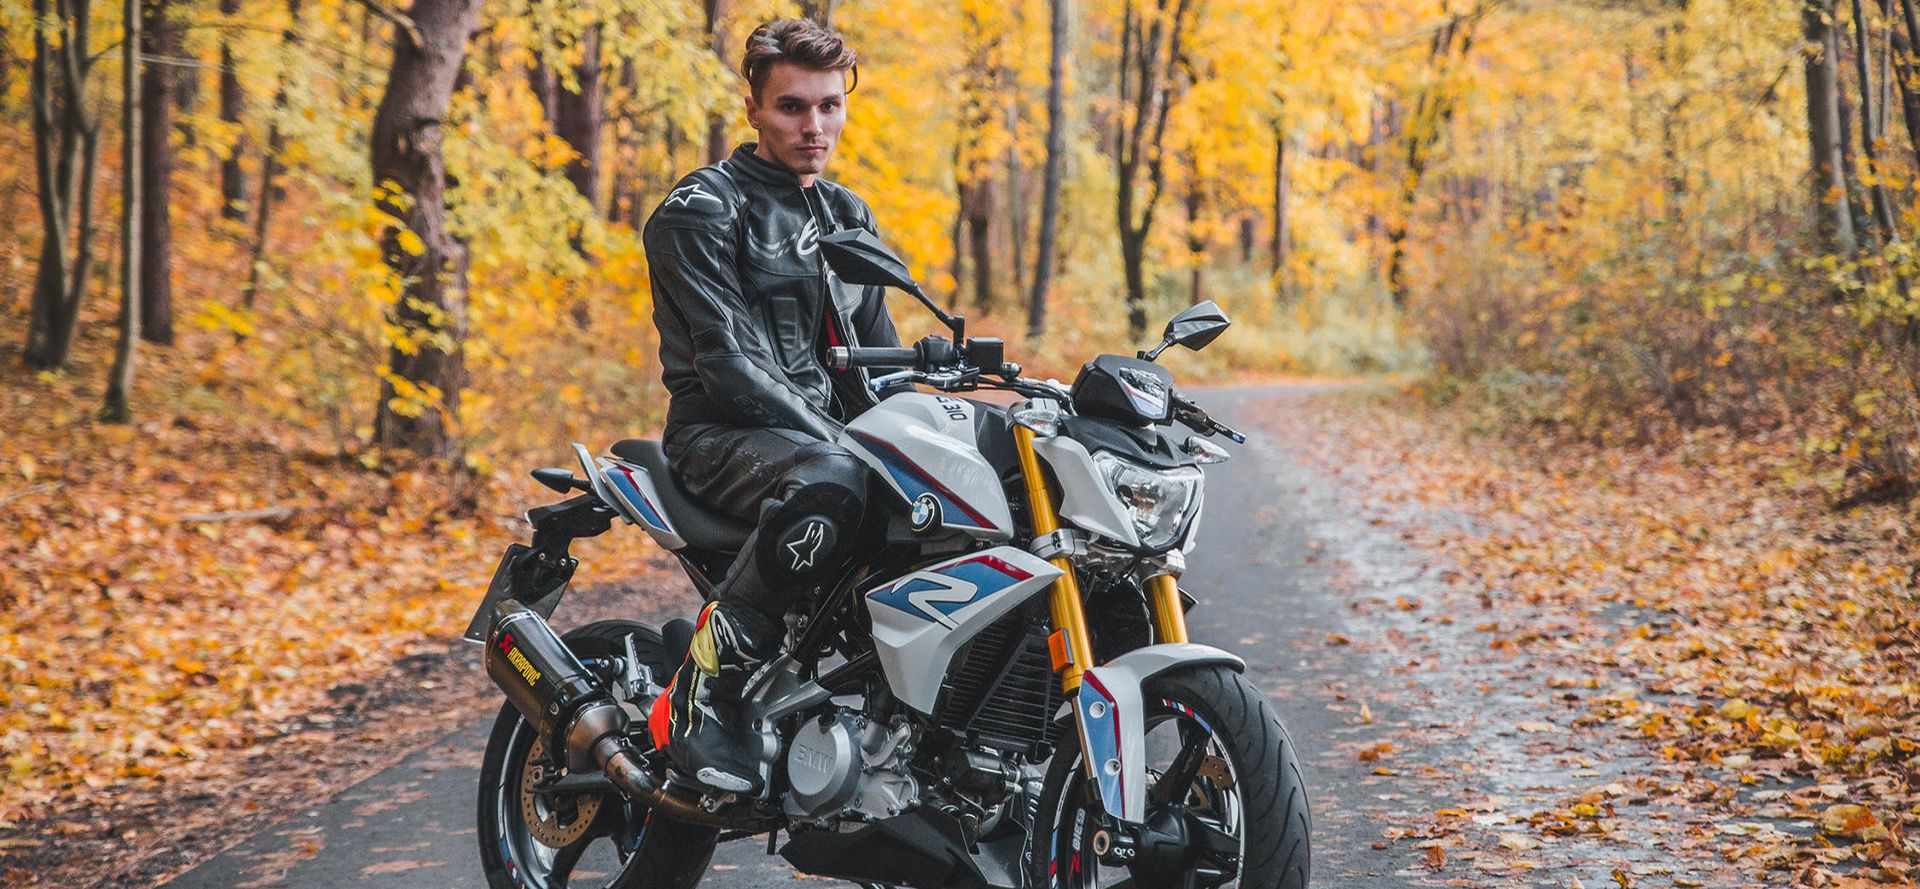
<point x="740" y="297"/>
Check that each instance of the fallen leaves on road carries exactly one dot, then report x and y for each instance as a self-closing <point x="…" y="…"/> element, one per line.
<point x="1765" y="647"/>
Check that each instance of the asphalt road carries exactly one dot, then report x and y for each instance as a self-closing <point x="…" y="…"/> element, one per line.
<point x="1278" y="572"/>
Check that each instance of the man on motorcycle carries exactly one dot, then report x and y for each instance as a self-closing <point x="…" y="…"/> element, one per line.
<point x="746" y="309"/>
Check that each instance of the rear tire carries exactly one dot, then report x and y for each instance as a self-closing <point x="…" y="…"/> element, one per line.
<point x="646" y="852"/>
<point x="1266" y="792"/>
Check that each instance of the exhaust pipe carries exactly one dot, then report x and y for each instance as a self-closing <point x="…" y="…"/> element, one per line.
<point x="572" y="710"/>
<point x="553" y="690"/>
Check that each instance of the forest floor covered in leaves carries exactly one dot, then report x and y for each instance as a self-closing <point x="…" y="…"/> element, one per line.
<point x="206" y="609"/>
<point x="1721" y="664"/>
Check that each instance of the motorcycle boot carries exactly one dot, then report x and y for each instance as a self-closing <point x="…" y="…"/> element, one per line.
<point x="699" y="721"/>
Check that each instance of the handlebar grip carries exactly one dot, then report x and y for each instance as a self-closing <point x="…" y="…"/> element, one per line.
<point x="843" y="357"/>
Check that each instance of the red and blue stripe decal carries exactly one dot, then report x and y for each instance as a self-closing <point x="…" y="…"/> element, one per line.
<point x="622" y="480"/>
<point x="1103" y="742"/>
<point x="914" y="481"/>
<point x="986" y="575"/>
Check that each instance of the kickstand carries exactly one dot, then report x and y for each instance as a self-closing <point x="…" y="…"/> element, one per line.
<point x="772" y="835"/>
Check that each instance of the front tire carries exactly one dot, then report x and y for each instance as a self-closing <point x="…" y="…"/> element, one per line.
<point x="1228" y="770"/>
<point x="623" y="839"/>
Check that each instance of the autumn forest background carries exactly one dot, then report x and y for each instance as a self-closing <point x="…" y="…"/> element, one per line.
<point x="292" y="292"/>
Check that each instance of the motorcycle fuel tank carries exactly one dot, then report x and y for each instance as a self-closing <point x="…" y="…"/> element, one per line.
<point x="925" y="446"/>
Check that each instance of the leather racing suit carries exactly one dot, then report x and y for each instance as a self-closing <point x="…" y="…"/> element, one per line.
<point x="746" y="309"/>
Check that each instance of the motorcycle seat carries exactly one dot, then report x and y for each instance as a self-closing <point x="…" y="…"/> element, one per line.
<point x="701" y="526"/>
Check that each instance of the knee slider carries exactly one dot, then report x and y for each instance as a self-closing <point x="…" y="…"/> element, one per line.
<point x="810" y="530"/>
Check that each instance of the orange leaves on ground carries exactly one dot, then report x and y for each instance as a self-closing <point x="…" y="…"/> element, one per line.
<point x="176" y="592"/>
<point x="1762" y="643"/>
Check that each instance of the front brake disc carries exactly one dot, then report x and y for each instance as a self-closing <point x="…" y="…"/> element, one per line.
<point x="554" y="820"/>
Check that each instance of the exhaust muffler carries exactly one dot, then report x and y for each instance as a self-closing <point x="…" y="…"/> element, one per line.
<point x="574" y="712"/>
<point x="555" y="692"/>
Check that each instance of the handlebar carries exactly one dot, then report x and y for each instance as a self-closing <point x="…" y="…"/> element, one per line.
<point x="930" y="353"/>
<point x="934" y="361"/>
<point x="844" y="357"/>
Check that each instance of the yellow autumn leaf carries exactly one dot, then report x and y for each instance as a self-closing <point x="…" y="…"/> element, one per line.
<point x="410" y="242"/>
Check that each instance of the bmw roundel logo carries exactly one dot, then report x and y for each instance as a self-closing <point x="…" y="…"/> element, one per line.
<point x="926" y="512"/>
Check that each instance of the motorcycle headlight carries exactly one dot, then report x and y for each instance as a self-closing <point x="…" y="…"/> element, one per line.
<point x="1157" y="500"/>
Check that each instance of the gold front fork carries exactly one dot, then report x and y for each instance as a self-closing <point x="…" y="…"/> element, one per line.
<point x="1163" y="598"/>
<point x="1068" y="617"/>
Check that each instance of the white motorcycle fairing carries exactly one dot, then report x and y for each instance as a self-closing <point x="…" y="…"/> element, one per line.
<point x="921" y="620"/>
<point x="1112" y="710"/>
<point x="926" y="448"/>
<point x="629" y="488"/>
<point x="1086" y="502"/>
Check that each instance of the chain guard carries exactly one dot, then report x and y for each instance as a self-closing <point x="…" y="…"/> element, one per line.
<point x="537" y="809"/>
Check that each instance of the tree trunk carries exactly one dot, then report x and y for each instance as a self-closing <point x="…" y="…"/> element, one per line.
<point x="1862" y="222"/>
<point x="1196" y="240"/>
<point x="1826" y="169"/>
<point x="66" y="141"/>
<point x="958" y="234"/>
<point x="623" y="169"/>
<point x="1133" y="251"/>
<point x="1882" y="208"/>
<point x="820" y="11"/>
<point x="270" y="168"/>
<point x="1043" y="254"/>
<point x="545" y="85"/>
<point x="1432" y="109"/>
<point x="233" y="179"/>
<point x="980" y="243"/>
<point x="1016" y="202"/>
<point x="1907" y="73"/>
<point x="120" y="381"/>
<point x="1282" y="215"/>
<point x="158" y="37"/>
<point x="577" y="117"/>
<point x="717" y="147"/>
<point x="1147" y="92"/>
<point x="420" y="392"/>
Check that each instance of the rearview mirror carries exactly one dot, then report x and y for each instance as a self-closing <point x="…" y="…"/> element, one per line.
<point x="1193" y="328"/>
<point x="858" y="257"/>
<point x="1197" y="326"/>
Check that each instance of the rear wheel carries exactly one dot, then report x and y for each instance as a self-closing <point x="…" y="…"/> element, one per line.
<point x="1226" y="804"/>
<point x="533" y="840"/>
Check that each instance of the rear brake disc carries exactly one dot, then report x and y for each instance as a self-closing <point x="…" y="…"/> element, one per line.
<point x="553" y="820"/>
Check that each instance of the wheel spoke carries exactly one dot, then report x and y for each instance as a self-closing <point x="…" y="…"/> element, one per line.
<point x="1185" y="766"/>
<point x="564" y="859"/>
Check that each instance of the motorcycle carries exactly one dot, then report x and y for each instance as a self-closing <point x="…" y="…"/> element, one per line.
<point x="1000" y="692"/>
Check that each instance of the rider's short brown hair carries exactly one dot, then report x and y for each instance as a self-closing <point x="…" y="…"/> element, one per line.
<point x="799" y="41"/>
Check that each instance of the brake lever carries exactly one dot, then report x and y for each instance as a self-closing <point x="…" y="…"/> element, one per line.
<point x="1196" y="418"/>
<point x="942" y="381"/>
<point x="884" y="380"/>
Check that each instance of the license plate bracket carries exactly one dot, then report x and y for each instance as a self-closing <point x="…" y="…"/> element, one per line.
<point x="502" y="586"/>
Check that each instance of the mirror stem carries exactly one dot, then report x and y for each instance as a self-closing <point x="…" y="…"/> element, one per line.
<point x="1149" y="356"/>
<point x="957" y="325"/>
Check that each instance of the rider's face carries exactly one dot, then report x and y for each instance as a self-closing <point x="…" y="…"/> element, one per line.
<point x="799" y="114"/>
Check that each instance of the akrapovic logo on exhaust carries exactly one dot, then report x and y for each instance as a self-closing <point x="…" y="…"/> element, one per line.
<point x="518" y="660"/>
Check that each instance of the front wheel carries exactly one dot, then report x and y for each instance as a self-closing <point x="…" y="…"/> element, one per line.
<point x="1226" y="804"/>
<point x="533" y="840"/>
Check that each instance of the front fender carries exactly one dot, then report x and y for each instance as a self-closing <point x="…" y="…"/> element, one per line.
<point x="1111" y="710"/>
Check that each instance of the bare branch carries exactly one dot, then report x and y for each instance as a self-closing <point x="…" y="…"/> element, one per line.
<point x="405" y="24"/>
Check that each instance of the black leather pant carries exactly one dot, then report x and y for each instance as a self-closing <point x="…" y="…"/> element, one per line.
<point x="806" y="498"/>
